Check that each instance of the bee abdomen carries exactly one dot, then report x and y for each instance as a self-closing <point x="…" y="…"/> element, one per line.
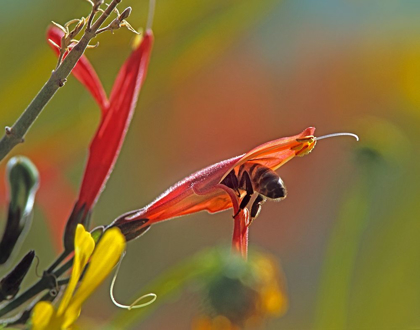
<point x="270" y="184"/>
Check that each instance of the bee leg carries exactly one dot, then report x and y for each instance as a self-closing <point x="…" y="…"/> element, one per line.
<point x="256" y="207"/>
<point x="245" y="180"/>
<point x="231" y="181"/>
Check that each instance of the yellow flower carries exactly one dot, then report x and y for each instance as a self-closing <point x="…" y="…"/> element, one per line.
<point x="243" y="295"/>
<point x="104" y="258"/>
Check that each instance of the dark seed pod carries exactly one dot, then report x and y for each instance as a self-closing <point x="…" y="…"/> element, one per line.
<point x="10" y="283"/>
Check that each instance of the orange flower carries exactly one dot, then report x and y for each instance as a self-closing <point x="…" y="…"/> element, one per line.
<point x="210" y="189"/>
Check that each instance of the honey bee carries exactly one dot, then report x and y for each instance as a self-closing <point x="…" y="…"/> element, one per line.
<point x="254" y="178"/>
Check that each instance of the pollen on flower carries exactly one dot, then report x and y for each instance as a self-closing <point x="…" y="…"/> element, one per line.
<point x="305" y="146"/>
<point x="138" y="38"/>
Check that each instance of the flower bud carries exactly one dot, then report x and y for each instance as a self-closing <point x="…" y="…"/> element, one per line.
<point x="124" y="15"/>
<point x="23" y="179"/>
<point x="97" y="233"/>
<point x="77" y="29"/>
<point x="97" y="4"/>
<point x="10" y="283"/>
<point x="77" y="216"/>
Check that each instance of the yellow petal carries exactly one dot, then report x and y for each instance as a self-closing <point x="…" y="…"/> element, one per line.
<point x="41" y="315"/>
<point x="106" y="255"/>
<point x="83" y="248"/>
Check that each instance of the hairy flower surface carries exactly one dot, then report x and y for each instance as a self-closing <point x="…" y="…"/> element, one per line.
<point x="102" y="259"/>
<point x="206" y="189"/>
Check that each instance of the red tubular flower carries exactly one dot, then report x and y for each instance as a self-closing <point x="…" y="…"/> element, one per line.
<point x="110" y="135"/>
<point x="214" y="189"/>
<point x="83" y="71"/>
<point x="240" y="233"/>
<point x="116" y="117"/>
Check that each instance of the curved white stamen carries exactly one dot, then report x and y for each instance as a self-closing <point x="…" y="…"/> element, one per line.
<point x="151" y="14"/>
<point x="337" y="134"/>
<point x="133" y="305"/>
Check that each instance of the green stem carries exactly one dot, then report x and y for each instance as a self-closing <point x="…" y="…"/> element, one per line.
<point x="15" y="134"/>
<point x="23" y="317"/>
<point x="58" y="261"/>
<point x="28" y="294"/>
<point x="44" y="283"/>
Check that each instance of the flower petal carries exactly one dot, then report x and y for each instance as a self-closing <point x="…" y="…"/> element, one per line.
<point x="240" y="233"/>
<point x="181" y="199"/>
<point x="83" y="71"/>
<point x="133" y="73"/>
<point x="190" y="195"/>
<point x="83" y="248"/>
<point x="276" y="153"/>
<point x="105" y="257"/>
<point x="42" y="315"/>
<point x="110" y="135"/>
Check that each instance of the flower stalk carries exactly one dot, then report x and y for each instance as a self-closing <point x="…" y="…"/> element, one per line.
<point x="47" y="281"/>
<point x="15" y="134"/>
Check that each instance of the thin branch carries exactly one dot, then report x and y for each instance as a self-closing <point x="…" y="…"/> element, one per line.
<point x="58" y="261"/>
<point x="15" y="134"/>
<point x="46" y="282"/>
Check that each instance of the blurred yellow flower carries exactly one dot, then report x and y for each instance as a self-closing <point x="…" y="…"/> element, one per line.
<point x="243" y="295"/>
<point x="104" y="258"/>
<point x="218" y="322"/>
<point x="410" y="76"/>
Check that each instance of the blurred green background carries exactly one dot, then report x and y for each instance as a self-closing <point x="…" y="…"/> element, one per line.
<point x="224" y="77"/>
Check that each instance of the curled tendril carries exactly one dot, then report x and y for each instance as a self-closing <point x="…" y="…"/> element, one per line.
<point x="134" y="304"/>
<point x="36" y="267"/>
